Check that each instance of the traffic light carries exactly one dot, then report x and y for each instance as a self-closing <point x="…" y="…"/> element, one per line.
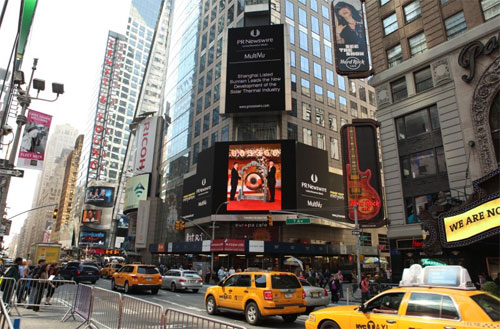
<point x="183" y="224"/>
<point x="269" y="220"/>
<point x="54" y="214"/>
<point x="177" y="225"/>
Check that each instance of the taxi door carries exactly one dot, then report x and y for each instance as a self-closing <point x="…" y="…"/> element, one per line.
<point x="226" y="291"/>
<point x="430" y="311"/>
<point x="239" y="290"/>
<point x="119" y="275"/>
<point x="379" y="313"/>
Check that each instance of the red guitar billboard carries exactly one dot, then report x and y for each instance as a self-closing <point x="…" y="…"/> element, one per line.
<point x="362" y="182"/>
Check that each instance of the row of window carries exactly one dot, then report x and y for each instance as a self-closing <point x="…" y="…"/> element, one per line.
<point x="224" y="137"/>
<point x="422" y="79"/>
<point x="206" y="122"/>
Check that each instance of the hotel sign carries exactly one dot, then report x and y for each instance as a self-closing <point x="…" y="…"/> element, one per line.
<point x="478" y="221"/>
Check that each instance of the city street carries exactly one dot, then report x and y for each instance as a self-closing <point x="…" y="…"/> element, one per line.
<point x="193" y="303"/>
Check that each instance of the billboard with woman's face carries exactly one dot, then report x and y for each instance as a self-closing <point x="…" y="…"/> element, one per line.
<point x="100" y="196"/>
<point x="351" y="50"/>
<point x="91" y="216"/>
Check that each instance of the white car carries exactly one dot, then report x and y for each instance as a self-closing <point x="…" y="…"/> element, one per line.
<point x="182" y="280"/>
<point x="315" y="296"/>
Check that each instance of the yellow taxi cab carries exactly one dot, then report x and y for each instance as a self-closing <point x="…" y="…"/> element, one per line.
<point x="137" y="277"/>
<point x="428" y="298"/>
<point x="257" y="295"/>
<point x="108" y="271"/>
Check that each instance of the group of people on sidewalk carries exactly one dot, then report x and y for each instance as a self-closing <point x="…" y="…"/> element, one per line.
<point x="47" y="275"/>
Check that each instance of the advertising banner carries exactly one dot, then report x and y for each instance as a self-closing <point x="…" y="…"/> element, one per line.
<point x="254" y="177"/>
<point x="100" y="196"/>
<point x="142" y="224"/>
<point x="93" y="238"/>
<point x="362" y="182"/>
<point x="476" y="222"/>
<point x="34" y="140"/>
<point x="256" y="70"/>
<point x="335" y="210"/>
<point x="123" y="222"/>
<point x="92" y="216"/>
<point x="145" y="145"/>
<point x="136" y="189"/>
<point x="351" y="50"/>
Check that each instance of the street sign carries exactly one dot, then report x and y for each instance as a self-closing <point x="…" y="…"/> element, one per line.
<point x="355" y="232"/>
<point x="11" y="172"/>
<point x="292" y="221"/>
<point x="363" y="238"/>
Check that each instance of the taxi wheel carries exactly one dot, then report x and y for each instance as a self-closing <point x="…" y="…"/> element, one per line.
<point x="329" y="325"/>
<point x="113" y="286"/>
<point x="172" y="287"/>
<point x="289" y="318"/>
<point x="154" y="291"/>
<point x="252" y="314"/>
<point x="126" y="288"/>
<point x="211" y="306"/>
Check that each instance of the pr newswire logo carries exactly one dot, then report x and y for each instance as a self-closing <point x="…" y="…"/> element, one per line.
<point x="255" y="33"/>
<point x="203" y="182"/>
<point x="314" y="178"/>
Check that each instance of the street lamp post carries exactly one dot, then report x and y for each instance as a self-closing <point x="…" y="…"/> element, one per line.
<point x="213" y="235"/>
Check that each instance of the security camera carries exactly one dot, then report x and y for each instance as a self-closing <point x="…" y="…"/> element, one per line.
<point x="6" y="129"/>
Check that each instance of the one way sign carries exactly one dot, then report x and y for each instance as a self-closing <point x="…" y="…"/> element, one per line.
<point x="11" y="172"/>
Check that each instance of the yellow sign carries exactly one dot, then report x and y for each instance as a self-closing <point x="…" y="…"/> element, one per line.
<point x="472" y="222"/>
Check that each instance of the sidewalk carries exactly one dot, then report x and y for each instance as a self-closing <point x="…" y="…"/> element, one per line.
<point x="45" y="318"/>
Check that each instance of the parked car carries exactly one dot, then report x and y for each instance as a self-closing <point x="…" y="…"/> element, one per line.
<point x="257" y="295"/>
<point x="315" y="296"/>
<point x="80" y="273"/>
<point x="137" y="277"/>
<point x="182" y="280"/>
<point x="108" y="271"/>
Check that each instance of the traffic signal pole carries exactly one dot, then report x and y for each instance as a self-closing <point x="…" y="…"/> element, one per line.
<point x="356" y="227"/>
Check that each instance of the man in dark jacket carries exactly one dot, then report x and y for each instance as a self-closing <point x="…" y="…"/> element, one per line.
<point x="234" y="180"/>
<point x="7" y="286"/>
<point x="271" y="180"/>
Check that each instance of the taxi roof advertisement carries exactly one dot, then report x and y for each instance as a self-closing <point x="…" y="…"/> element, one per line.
<point x="255" y="71"/>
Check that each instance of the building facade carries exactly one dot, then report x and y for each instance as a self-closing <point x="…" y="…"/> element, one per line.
<point x="436" y="80"/>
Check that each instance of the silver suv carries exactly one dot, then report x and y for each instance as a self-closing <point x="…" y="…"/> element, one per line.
<point x="182" y="280"/>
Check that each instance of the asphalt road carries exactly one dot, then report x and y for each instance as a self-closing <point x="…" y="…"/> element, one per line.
<point x="194" y="303"/>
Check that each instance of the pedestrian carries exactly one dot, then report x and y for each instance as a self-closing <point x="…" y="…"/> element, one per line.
<point x="311" y="279"/>
<point x="7" y="286"/>
<point x="39" y="288"/>
<point x="208" y="274"/>
<point x="365" y="289"/>
<point x="340" y="277"/>
<point x="221" y="274"/>
<point x="334" y="289"/>
<point x="232" y="271"/>
<point x="54" y="275"/>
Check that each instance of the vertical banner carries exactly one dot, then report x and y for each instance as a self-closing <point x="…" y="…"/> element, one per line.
<point x="351" y="50"/>
<point x="34" y="140"/>
<point x="362" y="181"/>
<point x="145" y="145"/>
<point x="142" y="224"/>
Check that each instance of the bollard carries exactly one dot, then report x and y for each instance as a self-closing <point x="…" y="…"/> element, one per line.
<point x="17" y="323"/>
<point x="348" y="294"/>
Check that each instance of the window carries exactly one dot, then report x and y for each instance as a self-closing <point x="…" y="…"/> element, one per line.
<point x="332" y="122"/>
<point x="423" y="79"/>
<point x="308" y="140"/>
<point x="224" y="136"/>
<point x="314" y="24"/>
<point x="330" y="98"/>
<point x="364" y="112"/>
<point x="294" y="107"/>
<point x="291" y="31"/>
<point x="314" y="5"/>
<point x="341" y="82"/>
<point x="365" y="239"/>
<point x="306" y="112"/>
<point x="289" y="9"/>
<point x="304" y="64"/>
<point x="215" y="137"/>
<point x="321" y="141"/>
<point x="390" y="24"/>
<point x="303" y="41"/>
<point x="316" y="48"/>
<point x="306" y="88"/>
<point x="204" y="143"/>
<point x="320" y="117"/>
<point x="317" y="71"/>
<point x="208" y="99"/>
<point x="432" y="305"/>
<point x="292" y="131"/>
<point x="389" y="302"/>
<point x="495" y="125"/>
<point x="343" y="104"/>
<point x="292" y="58"/>
<point x="491" y="8"/>
<point x="371" y="97"/>
<point x="423" y="164"/>
<point x="334" y="148"/>
<point x="383" y="241"/>
<point x="318" y="93"/>
<point x="394" y="56"/>
<point x="302" y="17"/>
<point x="488" y="304"/>
<point x="230" y="15"/>
<point x="354" y="108"/>
<point x="398" y="89"/>
<point x="455" y="25"/>
<point x="326" y="32"/>
<point x="293" y="79"/>
<point x="328" y="54"/>
<point x="415" y="205"/>
<point x="324" y="12"/>
<point x="362" y="93"/>
<point x="412" y="11"/>
<point x="260" y="281"/>
<point x="201" y="82"/>
<point x="417" y="123"/>
<point x="329" y="77"/>
<point x="197" y="128"/>
<point x="352" y="88"/>
<point x="196" y="150"/>
<point x="417" y="44"/>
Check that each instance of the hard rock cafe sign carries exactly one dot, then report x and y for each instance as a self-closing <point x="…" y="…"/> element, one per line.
<point x="472" y="51"/>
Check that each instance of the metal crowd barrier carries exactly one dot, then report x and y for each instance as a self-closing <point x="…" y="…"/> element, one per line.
<point x="106" y="308"/>
<point x="179" y="319"/>
<point x="36" y="293"/>
<point x="140" y="314"/>
<point x="82" y="306"/>
<point x="5" y="321"/>
<point x="7" y="289"/>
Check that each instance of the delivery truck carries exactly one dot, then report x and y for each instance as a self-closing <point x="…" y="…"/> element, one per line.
<point x="48" y="251"/>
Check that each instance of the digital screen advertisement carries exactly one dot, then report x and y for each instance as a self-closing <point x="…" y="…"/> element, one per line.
<point x="100" y="196"/>
<point x="254" y="178"/>
<point x="136" y="189"/>
<point x="92" y="238"/>
<point x="92" y="216"/>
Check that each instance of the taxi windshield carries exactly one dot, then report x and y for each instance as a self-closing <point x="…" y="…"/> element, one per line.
<point x="490" y="305"/>
<point x="147" y="270"/>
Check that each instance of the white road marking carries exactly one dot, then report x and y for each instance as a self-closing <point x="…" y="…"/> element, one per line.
<point x="181" y="305"/>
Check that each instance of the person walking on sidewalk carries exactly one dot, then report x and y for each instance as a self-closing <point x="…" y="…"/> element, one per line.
<point x="365" y="289"/>
<point x="40" y="286"/>
<point x="340" y="276"/>
<point x="334" y="289"/>
<point x="7" y="286"/>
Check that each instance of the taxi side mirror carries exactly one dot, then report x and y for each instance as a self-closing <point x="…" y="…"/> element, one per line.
<point x="221" y="283"/>
<point x="363" y="308"/>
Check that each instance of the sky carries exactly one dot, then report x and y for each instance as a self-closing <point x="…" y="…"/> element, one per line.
<point x="68" y="37"/>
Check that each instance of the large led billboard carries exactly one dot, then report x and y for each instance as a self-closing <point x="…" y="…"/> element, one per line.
<point x="93" y="238"/>
<point x="92" y="216"/>
<point x="362" y="182"/>
<point x="255" y="69"/>
<point x="100" y="196"/>
<point x="136" y="189"/>
<point x="351" y="51"/>
<point x="254" y="177"/>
